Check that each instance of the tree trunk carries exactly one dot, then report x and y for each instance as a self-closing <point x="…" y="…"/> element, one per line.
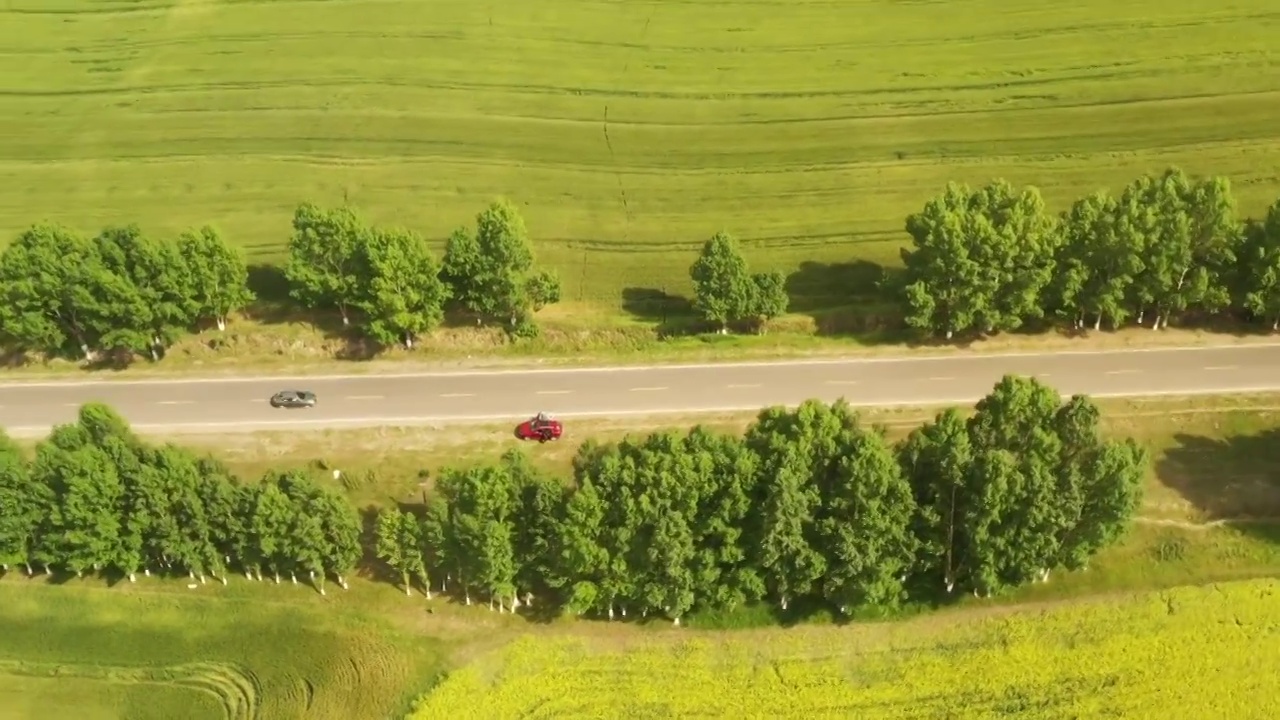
<point x="222" y="322"/>
<point x="133" y="577"/>
<point x="346" y="320"/>
<point x="1097" y="325"/>
<point x="784" y="602"/>
<point x="610" y="611"/>
<point x="950" y="333"/>
<point x="29" y="570"/>
<point x="155" y="354"/>
<point x="408" y="341"/>
<point x="676" y="621"/>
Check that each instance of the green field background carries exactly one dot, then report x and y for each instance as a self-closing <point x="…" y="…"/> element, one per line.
<point x="808" y="128"/>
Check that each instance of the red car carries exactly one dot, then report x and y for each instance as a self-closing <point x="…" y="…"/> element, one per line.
<point x="540" y="427"/>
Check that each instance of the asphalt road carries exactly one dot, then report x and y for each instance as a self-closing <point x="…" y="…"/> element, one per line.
<point x="231" y="405"/>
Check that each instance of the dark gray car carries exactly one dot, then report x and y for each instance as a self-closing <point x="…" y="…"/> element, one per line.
<point x="293" y="399"/>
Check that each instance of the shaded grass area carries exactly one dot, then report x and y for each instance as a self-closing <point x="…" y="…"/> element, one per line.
<point x="1185" y="652"/>
<point x="627" y="133"/>
<point x="79" y="651"/>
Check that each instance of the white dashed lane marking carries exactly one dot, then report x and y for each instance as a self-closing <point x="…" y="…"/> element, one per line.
<point x="740" y="387"/>
<point x="177" y="402"/>
<point x="363" y="397"/>
<point x="1121" y="372"/>
<point x="1222" y="367"/>
<point x="647" y="389"/>
<point x="554" y="392"/>
<point x="457" y="395"/>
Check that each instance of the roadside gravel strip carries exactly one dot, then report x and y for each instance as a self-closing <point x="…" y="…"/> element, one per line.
<point x="223" y="405"/>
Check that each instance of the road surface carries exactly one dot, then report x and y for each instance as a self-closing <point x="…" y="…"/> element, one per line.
<point x="234" y="405"/>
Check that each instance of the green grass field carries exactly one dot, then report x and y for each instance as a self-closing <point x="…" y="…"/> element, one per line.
<point x="234" y="653"/>
<point x="808" y="128"/>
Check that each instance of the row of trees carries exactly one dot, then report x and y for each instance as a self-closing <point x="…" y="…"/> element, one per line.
<point x="985" y="260"/>
<point x="1168" y="246"/>
<point x="122" y="293"/>
<point x="392" y="280"/>
<point x="807" y="504"/>
<point x="95" y="497"/>
<point x="725" y="292"/>
<point x="62" y="293"/>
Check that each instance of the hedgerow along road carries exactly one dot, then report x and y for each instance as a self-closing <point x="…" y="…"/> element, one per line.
<point x="210" y="405"/>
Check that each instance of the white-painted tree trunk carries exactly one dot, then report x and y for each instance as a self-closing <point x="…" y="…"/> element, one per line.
<point x="248" y="575"/>
<point x="133" y="577"/>
<point x="610" y="611"/>
<point x="146" y="571"/>
<point x="408" y="591"/>
<point x="676" y="621"/>
<point x="1097" y="324"/>
<point x="293" y="576"/>
<point x="222" y="322"/>
<point x="30" y="572"/>
<point x="466" y="596"/>
<point x="277" y="577"/>
<point x="784" y="602"/>
<point x="342" y="581"/>
<point x="408" y="342"/>
<point x="950" y="334"/>
<point x="950" y="586"/>
<point x="223" y="579"/>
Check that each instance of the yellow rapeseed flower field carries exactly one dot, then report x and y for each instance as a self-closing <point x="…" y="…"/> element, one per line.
<point x="1195" y="653"/>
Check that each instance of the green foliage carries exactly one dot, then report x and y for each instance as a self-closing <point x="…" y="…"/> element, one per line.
<point x="219" y="277"/>
<point x="725" y="293"/>
<point x="96" y="497"/>
<point x="404" y="297"/>
<point x="807" y="505"/>
<point x="980" y="260"/>
<point x="492" y="274"/>
<point x="1169" y="246"/>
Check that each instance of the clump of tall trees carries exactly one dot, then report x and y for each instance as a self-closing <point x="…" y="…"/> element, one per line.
<point x="120" y="293"/>
<point x="388" y="282"/>
<point x="97" y="498"/>
<point x="808" y="504"/>
<point x="1169" y="246"/>
<point x="726" y="293"/>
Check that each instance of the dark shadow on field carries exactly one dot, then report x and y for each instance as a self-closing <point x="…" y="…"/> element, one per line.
<point x="371" y="567"/>
<point x="858" y="298"/>
<point x="1231" y="478"/>
<point x="671" y="315"/>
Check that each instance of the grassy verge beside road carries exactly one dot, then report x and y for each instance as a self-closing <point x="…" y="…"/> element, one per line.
<point x="158" y="645"/>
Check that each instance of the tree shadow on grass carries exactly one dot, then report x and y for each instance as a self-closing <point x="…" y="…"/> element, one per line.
<point x="372" y="567"/>
<point x="1235" y="478"/>
<point x="671" y="315"/>
<point x="847" y="299"/>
